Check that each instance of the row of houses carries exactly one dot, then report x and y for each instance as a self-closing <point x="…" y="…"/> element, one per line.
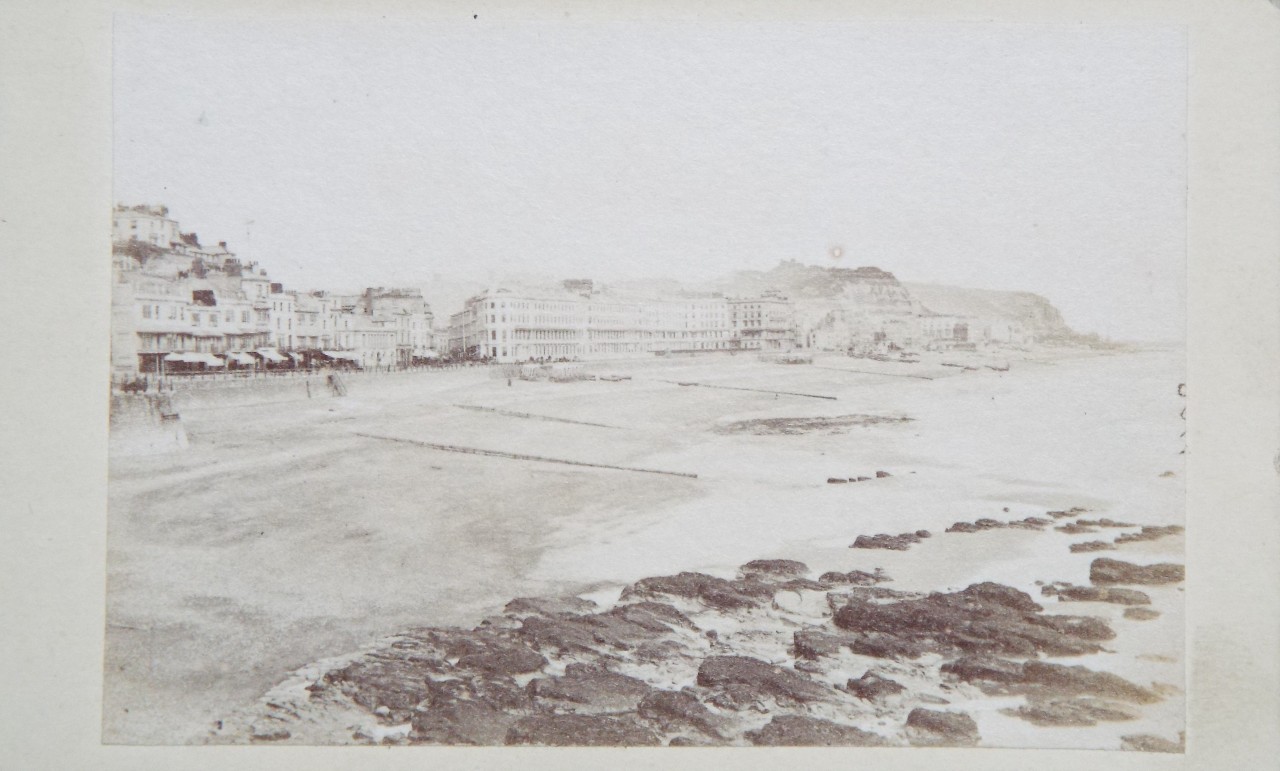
<point x="178" y="305"/>
<point x="574" y="321"/>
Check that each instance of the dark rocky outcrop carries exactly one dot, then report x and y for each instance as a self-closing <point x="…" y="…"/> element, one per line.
<point x="714" y="592"/>
<point x="1149" y="533"/>
<point x="1141" y="614"/>
<point x="1109" y="571"/>
<point x="984" y="669"/>
<point x="855" y="577"/>
<point x="547" y="605"/>
<point x="1149" y="743"/>
<point x="963" y="527"/>
<point x="1063" y="679"/>
<point x="780" y="568"/>
<point x="580" y="730"/>
<point x="761" y="678"/>
<point x="679" y="711"/>
<point x="1092" y="546"/>
<point x="590" y="689"/>
<point x="803" y="731"/>
<point x="875" y="688"/>
<point x="1069" y="593"/>
<point x="1071" y="712"/>
<point x="900" y="542"/>
<point x="1075" y="528"/>
<point x="985" y="618"/>
<point x="933" y="728"/>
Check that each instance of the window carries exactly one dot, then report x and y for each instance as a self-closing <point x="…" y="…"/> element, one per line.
<point x="146" y="311"/>
<point x="195" y="319"/>
<point x="213" y="319"/>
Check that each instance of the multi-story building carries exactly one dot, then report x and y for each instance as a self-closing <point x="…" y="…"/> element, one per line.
<point x="177" y="304"/>
<point x="767" y="322"/>
<point x="577" y="322"/>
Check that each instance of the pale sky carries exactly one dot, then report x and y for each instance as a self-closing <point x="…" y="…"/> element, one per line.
<point x="1044" y="158"/>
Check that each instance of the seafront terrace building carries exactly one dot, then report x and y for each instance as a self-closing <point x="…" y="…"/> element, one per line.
<point x="577" y="322"/>
<point x="180" y="306"/>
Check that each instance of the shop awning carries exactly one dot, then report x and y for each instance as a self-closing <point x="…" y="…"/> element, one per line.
<point x="242" y="358"/>
<point x="270" y="355"/>
<point x="192" y="357"/>
<point x="348" y="355"/>
<point x="429" y="355"/>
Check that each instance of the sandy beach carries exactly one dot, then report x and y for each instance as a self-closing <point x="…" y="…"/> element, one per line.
<point x="288" y="532"/>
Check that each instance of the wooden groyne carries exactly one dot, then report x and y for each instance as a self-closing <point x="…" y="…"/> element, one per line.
<point x="531" y="416"/>
<point x="756" y="390"/>
<point x="522" y="456"/>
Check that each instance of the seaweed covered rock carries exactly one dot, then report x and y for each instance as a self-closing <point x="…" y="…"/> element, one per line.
<point x="1063" y="679"/>
<point x="775" y="568"/>
<point x="1071" y="712"/>
<point x="709" y="590"/>
<point x="580" y="730"/>
<point x="984" y="618"/>
<point x="760" y="678"/>
<point x="933" y="728"/>
<point x="679" y="711"/>
<point x="590" y="689"/>
<point x="805" y="731"/>
<point x="1109" y="571"/>
<point x="875" y="688"/>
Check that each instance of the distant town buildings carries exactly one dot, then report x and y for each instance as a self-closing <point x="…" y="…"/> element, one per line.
<point x="181" y="306"/>
<point x="575" y="321"/>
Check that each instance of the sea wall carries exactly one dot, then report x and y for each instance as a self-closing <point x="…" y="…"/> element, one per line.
<point x="145" y="424"/>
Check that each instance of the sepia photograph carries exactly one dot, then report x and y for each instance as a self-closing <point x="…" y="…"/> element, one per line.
<point x="641" y="384"/>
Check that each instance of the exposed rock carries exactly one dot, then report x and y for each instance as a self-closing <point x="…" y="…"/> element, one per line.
<point x="1104" y="522"/>
<point x="1149" y="533"/>
<point x="923" y="534"/>
<point x="712" y="591"/>
<point x="1149" y="743"/>
<point x="548" y="605"/>
<point x="1092" y="546"/>
<point x="775" y="568"/>
<point x="883" y="474"/>
<point x="1029" y="523"/>
<point x="963" y="527"/>
<point x="1075" y="528"/>
<point x="1109" y="571"/>
<point x="591" y="689"/>
<point x="267" y="730"/>
<point x="875" y="688"/>
<point x="1071" y="712"/>
<point x="580" y="730"/>
<point x="621" y="629"/>
<point x="988" y="524"/>
<point x="506" y="660"/>
<point x="462" y="722"/>
<point x="1102" y="594"/>
<point x="1082" y="680"/>
<point x="985" y="618"/>
<point x="812" y="644"/>
<point x="884" y="541"/>
<point x="761" y="678"/>
<point x="678" y="710"/>
<point x="933" y="728"/>
<point x="984" y="669"/>
<point x="651" y="616"/>
<point x="1141" y="614"/>
<point x="803" y="731"/>
<point x="836" y="481"/>
<point x="856" y="577"/>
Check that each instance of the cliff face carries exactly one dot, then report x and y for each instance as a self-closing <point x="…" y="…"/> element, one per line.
<point x="1033" y="312"/>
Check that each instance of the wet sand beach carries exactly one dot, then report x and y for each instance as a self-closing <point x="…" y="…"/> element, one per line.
<point x="289" y="532"/>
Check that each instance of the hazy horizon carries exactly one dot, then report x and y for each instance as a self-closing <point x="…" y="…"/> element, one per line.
<point x="1039" y="158"/>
